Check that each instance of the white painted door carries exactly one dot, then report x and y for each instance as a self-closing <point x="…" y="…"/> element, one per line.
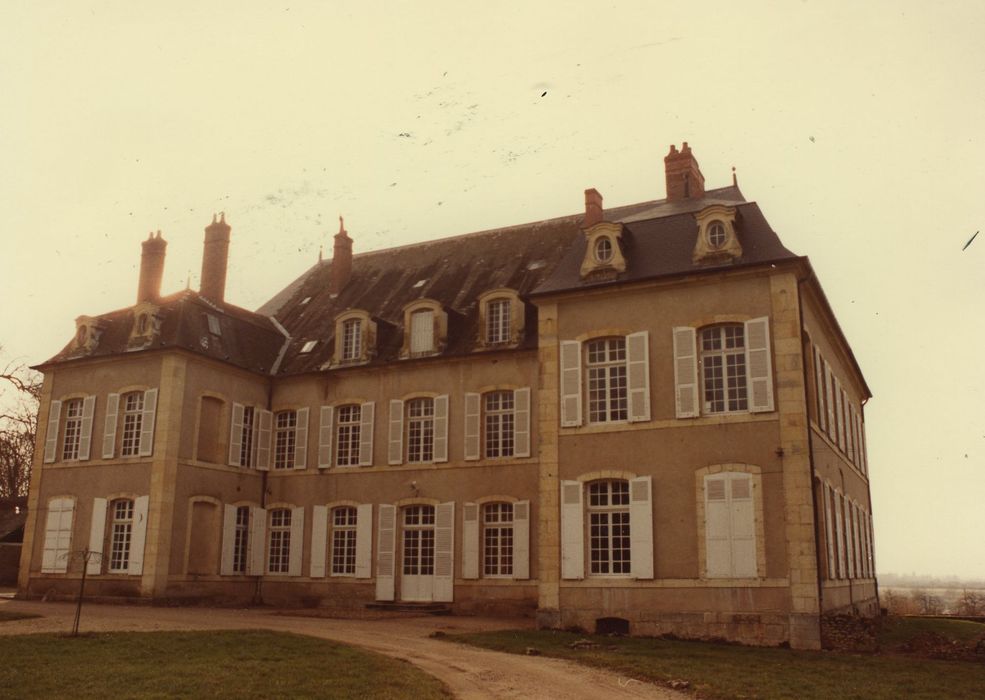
<point x="417" y="573"/>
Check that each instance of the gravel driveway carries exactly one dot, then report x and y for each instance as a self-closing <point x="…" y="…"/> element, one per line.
<point x="469" y="672"/>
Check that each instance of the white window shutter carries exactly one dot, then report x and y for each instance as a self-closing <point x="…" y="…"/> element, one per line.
<point x="521" y="540"/>
<point x="97" y="531"/>
<point x="829" y="398"/>
<point x="385" y="556"/>
<point x="325" y="419"/>
<point x="319" y="540"/>
<point x="109" y="429"/>
<point x="840" y="533"/>
<point x="839" y="410"/>
<point x="641" y="527"/>
<point x="236" y="436"/>
<point x="759" y="365"/>
<point x="57" y="536"/>
<point x="366" y="419"/>
<point x="147" y="423"/>
<point x="364" y="539"/>
<point x="638" y="369"/>
<point x="829" y="531"/>
<point x="85" y="439"/>
<point x="263" y="439"/>
<point x="258" y="541"/>
<point x="521" y="422"/>
<point x="570" y="383"/>
<point x="865" y="449"/>
<point x="743" y="526"/>
<point x="395" y="444"/>
<point x="472" y="430"/>
<point x="718" y="549"/>
<point x="850" y="430"/>
<point x="301" y="440"/>
<point x="138" y="535"/>
<point x="228" y="540"/>
<point x="51" y="434"/>
<point x="470" y="540"/>
<point x="297" y="541"/>
<point x="858" y="540"/>
<point x="822" y="415"/>
<point x="572" y="531"/>
<point x="444" y="552"/>
<point x="685" y="372"/>
<point x="441" y="428"/>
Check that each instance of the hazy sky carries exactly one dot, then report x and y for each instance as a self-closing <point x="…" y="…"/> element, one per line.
<point x="858" y="127"/>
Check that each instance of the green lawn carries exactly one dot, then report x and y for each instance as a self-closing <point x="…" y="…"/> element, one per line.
<point x="732" y="671"/>
<point x="7" y="616"/>
<point x="900" y="630"/>
<point x="251" y="664"/>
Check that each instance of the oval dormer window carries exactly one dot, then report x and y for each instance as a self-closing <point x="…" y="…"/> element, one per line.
<point x="81" y="335"/>
<point x="716" y="234"/>
<point x="603" y="250"/>
<point x="142" y="324"/>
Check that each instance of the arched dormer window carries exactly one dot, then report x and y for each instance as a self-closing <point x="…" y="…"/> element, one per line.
<point x="425" y="329"/>
<point x="501" y="318"/>
<point x="717" y="240"/>
<point x="603" y="250"/>
<point x="355" y="338"/>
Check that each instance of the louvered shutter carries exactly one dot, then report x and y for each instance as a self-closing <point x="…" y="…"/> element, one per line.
<point x="858" y="540"/>
<point x="839" y="412"/>
<point x="301" y="440"/>
<point x="85" y="439"/>
<point x="109" y="428"/>
<point x="441" y="428"/>
<point x="849" y="430"/>
<point x="57" y="536"/>
<point x="444" y="552"/>
<point x="366" y="418"/>
<point x="717" y="546"/>
<point x="638" y="368"/>
<point x="236" y="436"/>
<point x="521" y="540"/>
<point x="570" y="383"/>
<point x="325" y="437"/>
<point x="822" y="417"/>
<point x="263" y="440"/>
<point x="641" y="527"/>
<point x="97" y="532"/>
<point x="364" y="539"/>
<point x="470" y="540"/>
<point x="743" y="526"/>
<point x="51" y="433"/>
<point x="472" y="431"/>
<point x="829" y="531"/>
<point x="228" y="540"/>
<point x="865" y="448"/>
<point x="759" y="365"/>
<point x="686" y="372"/>
<point x="297" y="542"/>
<point x="386" y="534"/>
<point x="258" y="541"/>
<point x="319" y="534"/>
<point x="572" y="532"/>
<point x="521" y="422"/>
<point x="395" y="443"/>
<point x="138" y="535"/>
<point x="830" y="400"/>
<point x="147" y="423"/>
<point x="840" y="532"/>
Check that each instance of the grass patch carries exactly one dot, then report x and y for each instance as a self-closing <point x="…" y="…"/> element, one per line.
<point x="8" y="616"/>
<point x="898" y="631"/>
<point x="250" y="664"/>
<point x="732" y="671"/>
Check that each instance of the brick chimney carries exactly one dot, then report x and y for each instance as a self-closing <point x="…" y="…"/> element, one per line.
<point x="215" y="257"/>
<point x="341" y="260"/>
<point x="151" y="268"/>
<point x="593" y="208"/>
<point x="684" y="178"/>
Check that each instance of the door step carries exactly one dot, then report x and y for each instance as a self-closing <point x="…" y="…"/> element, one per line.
<point x="402" y="607"/>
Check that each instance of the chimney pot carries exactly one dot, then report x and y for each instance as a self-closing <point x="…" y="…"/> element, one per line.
<point x="151" y="268"/>
<point x="683" y="176"/>
<point x="593" y="207"/>
<point x="215" y="258"/>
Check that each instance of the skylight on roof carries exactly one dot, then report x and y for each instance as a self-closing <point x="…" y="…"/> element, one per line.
<point x="309" y="346"/>
<point x="305" y="300"/>
<point x="214" y="327"/>
<point x="536" y="265"/>
<point x="419" y="283"/>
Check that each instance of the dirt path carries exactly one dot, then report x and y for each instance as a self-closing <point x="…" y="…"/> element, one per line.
<point x="470" y="673"/>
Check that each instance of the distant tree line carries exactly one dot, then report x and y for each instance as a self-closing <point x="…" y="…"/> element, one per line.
<point x="969" y="603"/>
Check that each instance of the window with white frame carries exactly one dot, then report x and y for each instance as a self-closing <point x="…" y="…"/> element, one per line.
<point x="73" y="429"/>
<point x="344" y="541"/>
<point x="133" y="412"/>
<point x="499" y="419"/>
<point x="121" y="531"/>
<point x="279" y="541"/>
<point x="608" y="527"/>
<point x="420" y="430"/>
<point x="347" y="435"/>
<point x="241" y="539"/>
<point x="497" y="539"/>
<point x="418" y="541"/>
<point x="607" y="387"/>
<point x="247" y="451"/>
<point x="285" y="436"/>
<point x="352" y="340"/>
<point x="498" y="321"/>
<point x="723" y="369"/>
<point x="730" y="525"/>
<point x="422" y="331"/>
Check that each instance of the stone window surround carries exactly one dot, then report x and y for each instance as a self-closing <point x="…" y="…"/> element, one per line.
<point x="223" y="435"/>
<point x="755" y="473"/>
<point x="192" y="500"/>
<point x="517" y="318"/>
<point x="368" y="335"/>
<point x="616" y="263"/>
<point x="440" y="327"/>
<point x="730" y="249"/>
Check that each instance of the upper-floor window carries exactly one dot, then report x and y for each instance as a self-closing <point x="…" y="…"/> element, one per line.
<point x="121" y="530"/>
<point x="497" y="539"/>
<point x="279" y="541"/>
<point x="498" y="321"/>
<point x="285" y="436"/>
<point x="499" y="423"/>
<point x="347" y="435"/>
<point x="422" y="331"/>
<point x="344" y="541"/>
<point x="352" y="340"/>
<point x="420" y="430"/>
<point x="247" y="451"/>
<point x="603" y="250"/>
<point x="607" y="372"/>
<point x="133" y="412"/>
<point x="73" y="429"/>
<point x="71" y="441"/>
<point x="723" y="368"/>
<point x="616" y="379"/>
<point x="609" y="527"/>
<point x="716" y="234"/>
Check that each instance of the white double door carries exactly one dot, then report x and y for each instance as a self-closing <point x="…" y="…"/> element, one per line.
<point x="417" y="540"/>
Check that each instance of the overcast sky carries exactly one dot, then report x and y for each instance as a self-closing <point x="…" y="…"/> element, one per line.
<point x="858" y="127"/>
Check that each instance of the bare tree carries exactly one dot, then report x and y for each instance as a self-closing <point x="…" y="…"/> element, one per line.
<point x="896" y="603"/>
<point x="927" y="603"/>
<point x="971" y="603"/>
<point x="20" y="393"/>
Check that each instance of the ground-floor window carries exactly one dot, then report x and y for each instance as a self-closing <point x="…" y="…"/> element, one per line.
<point x="497" y="539"/>
<point x="279" y="553"/>
<point x="608" y="524"/>
<point x="418" y="541"/>
<point x="344" y="541"/>
<point x="120" y="534"/>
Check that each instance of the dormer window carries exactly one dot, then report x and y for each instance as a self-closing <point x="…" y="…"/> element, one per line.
<point x="87" y="332"/>
<point x="81" y="335"/>
<point x="498" y="321"/>
<point x="717" y="241"/>
<point x="501" y="317"/>
<point x="603" y="250"/>
<point x="142" y="324"/>
<point x="422" y="332"/>
<point x="214" y="327"/>
<point x="716" y="234"/>
<point x="355" y="338"/>
<point x="604" y="256"/>
<point x="352" y="340"/>
<point x="425" y="328"/>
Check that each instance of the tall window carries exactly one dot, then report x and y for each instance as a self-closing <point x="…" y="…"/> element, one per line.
<point x="347" y="442"/>
<point x="422" y="331"/>
<point x="420" y="430"/>
<point x="285" y="434"/>
<point x="120" y="534"/>
<point x="498" y="321"/>
<point x="499" y="423"/>
<point x="133" y="412"/>
<point x="723" y="368"/>
<point x="279" y="553"/>
<point x="607" y="380"/>
<point x="730" y="528"/>
<point x="608" y="513"/>
<point x="73" y="429"/>
<point x="352" y="345"/>
<point x="247" y="451"/>
<point x="419" y="540"/>
<point x="241" y="539"/>
<point x="344" y="541"/>
<point x="497" y="539"/>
